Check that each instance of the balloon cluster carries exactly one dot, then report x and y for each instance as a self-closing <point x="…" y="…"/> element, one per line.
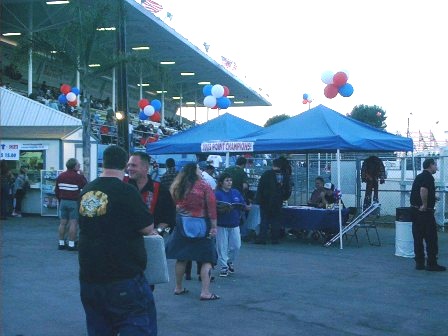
<point x="307" y="98"/>
<point x="69" y="95"/>
<point x="336" y="83"/>
<point x="337" y="194"/>
<point x="149" y="110"/>
<point x="216" y="96"/>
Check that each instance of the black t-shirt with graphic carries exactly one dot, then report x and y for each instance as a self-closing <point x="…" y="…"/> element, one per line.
<point x="111" y="246"/>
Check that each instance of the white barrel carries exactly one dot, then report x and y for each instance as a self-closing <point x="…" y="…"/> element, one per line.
<point x="404" y="241"/>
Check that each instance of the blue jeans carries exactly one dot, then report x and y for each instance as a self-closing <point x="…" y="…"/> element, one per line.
<point x="126" y="307"/>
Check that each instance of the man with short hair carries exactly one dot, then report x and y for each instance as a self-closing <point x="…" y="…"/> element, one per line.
<point x="67" y="190"/>
<point x="316" y="196"/>
<point x="424" y="226"/>
<point x="115" y="293"/>
<point x="207" y="174"/>
<point x="154" y="194"/>
<point x="170" y="173"/>
<point x="239" y="176"/>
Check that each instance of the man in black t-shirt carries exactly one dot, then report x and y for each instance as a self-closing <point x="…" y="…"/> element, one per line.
<point x="424" y="227"/>
<point x="113" y="219"/>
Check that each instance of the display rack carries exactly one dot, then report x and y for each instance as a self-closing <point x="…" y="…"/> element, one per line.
<point x="49" y="202"/>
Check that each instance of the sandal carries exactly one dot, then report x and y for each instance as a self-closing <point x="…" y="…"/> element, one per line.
<point x="210" y="298"/>
<point x="182" y="292"/>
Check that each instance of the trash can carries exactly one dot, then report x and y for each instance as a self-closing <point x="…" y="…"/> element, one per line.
<point x="404" y="241"/>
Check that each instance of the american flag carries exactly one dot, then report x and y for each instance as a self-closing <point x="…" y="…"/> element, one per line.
<point x="152" y="6"/>
<point x="228" y="64"/>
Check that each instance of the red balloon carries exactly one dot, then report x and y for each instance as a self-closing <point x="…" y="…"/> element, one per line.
<point x="155" y="117"/>
<point x="215" y="107"/>
<point x="305" y="101"/>
<point x="226" y="91"/>
<point x="331" y="91"/>
<point x="340" y="78"/>
<point x="73" y="103"/>
<point x="143" y="102"/>
<point x="65" y="88"/>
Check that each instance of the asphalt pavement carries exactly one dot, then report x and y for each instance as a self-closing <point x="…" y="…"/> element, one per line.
<point x="297" y="287"/>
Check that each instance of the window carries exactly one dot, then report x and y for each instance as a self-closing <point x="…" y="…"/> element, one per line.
<point x="34" y="160"/>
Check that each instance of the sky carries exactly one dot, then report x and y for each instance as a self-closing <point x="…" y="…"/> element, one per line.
<point x="394" y="52"/>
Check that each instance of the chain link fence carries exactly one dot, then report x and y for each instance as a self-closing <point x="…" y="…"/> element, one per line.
<point x="393" y="194"/>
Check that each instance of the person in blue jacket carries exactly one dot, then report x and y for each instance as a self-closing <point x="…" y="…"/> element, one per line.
<point x="231" y="205"/>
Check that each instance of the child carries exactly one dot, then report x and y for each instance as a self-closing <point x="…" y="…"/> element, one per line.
<point x="230" y="204"/>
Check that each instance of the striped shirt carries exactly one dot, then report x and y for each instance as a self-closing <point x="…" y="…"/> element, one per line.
<point x="69" y="185"/>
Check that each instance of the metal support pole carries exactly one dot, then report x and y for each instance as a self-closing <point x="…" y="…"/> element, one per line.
<point x="122" y="101"/>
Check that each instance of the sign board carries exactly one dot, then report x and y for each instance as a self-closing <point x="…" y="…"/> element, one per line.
<point x="10" y="151"/>
<point x="227" y="146"/>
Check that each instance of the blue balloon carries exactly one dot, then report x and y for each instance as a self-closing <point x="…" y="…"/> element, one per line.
<point x="142" y="116"/>
<point x="305" y="96"/>
<point x="207" y="90"/>
<point x="223" y="102"/>
<point x="75" y="90"/>
<point x="156" y="104"/>
<point x="62" y="99"/>
<point x="346" y="90"/>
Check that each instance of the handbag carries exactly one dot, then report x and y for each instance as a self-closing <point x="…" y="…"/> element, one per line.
<point x="156" y="271"/>
<point x="193" y="227"/>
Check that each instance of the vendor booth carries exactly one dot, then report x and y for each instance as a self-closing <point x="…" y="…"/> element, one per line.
<point x="41" y="139"/>
<point x="322" y="129"/>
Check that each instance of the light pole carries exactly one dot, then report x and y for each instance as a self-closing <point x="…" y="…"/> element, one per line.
<point x="408" y="134"/>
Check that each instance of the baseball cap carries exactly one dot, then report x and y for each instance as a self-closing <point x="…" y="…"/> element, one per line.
<point x="328" y="186"/>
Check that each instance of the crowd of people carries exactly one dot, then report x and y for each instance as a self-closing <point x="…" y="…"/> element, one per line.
<point x="143" y="133"/>
<point x="113" y="212"/>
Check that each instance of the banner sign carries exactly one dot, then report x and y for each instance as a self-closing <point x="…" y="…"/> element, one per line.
<point x="227" y="146"/>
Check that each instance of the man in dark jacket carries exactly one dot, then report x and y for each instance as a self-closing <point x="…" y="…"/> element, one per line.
<point x="372" y="172"/>
<point x="424" y="227"/>
<point x="155" y="195"/>
<point x="273" y="189"/>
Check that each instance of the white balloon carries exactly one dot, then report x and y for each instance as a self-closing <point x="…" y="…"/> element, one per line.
<point x="148" y="110"/>
<point x="71" y="97"/>
<point x="327" y="77"/>
<point x="210" y="101"/>
<point x="217" y="91"/>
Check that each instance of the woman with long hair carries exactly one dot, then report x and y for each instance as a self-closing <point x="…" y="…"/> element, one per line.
<point x="195" y="198"/>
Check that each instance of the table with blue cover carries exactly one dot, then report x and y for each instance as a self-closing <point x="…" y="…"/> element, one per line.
<point x="313" y="219"/>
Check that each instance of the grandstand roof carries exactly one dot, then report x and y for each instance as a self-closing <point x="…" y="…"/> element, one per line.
<point x="142" y="28"/>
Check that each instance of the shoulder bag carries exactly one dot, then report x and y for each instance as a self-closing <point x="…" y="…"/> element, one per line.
<point x="156" y="271"/>
<point x="193" y="227"/>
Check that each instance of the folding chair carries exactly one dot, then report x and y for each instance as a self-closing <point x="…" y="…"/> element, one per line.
<point x="367" y="226"/>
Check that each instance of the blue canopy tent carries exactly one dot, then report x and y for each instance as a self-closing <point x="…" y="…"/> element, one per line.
<point x="322" y="129"/>
<point x="222" y="128"/>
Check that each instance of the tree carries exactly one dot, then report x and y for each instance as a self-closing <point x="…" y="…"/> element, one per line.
<point x="372" y="115"/>
<point x="275" y="119"/>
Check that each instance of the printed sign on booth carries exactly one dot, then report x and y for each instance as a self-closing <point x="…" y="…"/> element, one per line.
<point x="227" y="146"/>
<point x="9" y="152"/>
